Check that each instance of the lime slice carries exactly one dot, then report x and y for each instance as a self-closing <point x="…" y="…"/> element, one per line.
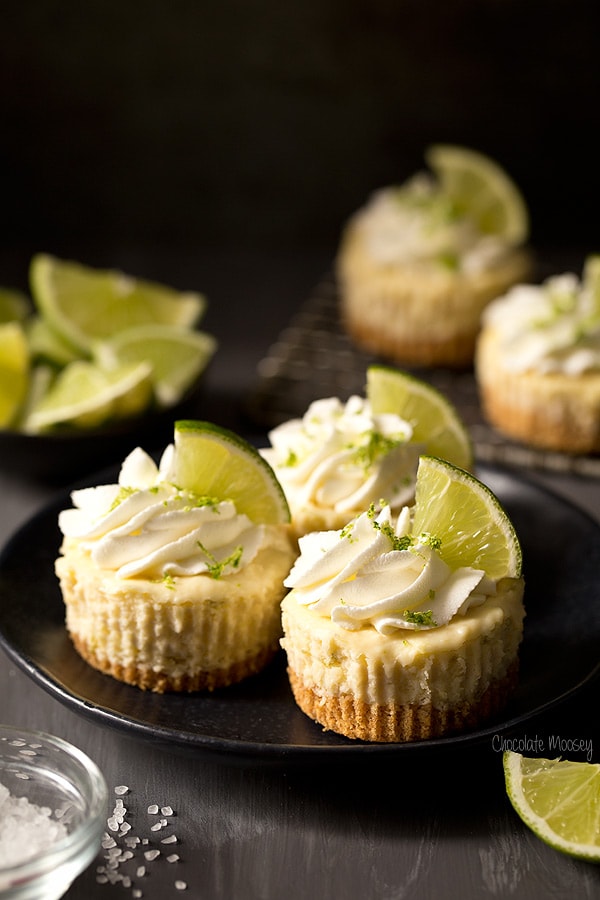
<point x="85" y="396"/>
<point x="214" y="462"/>
<point x="14" y="371"/>
<point x="177" y="356"/>
<point x="14" y="305"/>
<point x="481" y="189"/>
<point x="454" y="506"/>
<point x="559" y="800"/>
<point x="85" y="305"/>
<point x="46" y="343"/>
<point x="434" y="420"/>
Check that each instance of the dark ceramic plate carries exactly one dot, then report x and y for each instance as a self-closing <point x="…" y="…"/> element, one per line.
<point x="258" y="719"/>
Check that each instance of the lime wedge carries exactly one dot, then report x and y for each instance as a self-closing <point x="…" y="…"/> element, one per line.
<point x="559" y="800"/>
<point x="85" y="305"/>
<point x="214" y="462"/>
<point x="434" y="419"/>
<point x="481" y="189"/>
<point x="177" y="356"/>
<point x="85" y="396"/>
<point x="474" y="530"/>
<point x="14" y="305"/>
<point x="14" y="371"/>
<point x="46" y="343"/>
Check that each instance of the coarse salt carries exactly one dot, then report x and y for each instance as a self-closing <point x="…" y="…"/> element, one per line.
<point x="25" y="828"/>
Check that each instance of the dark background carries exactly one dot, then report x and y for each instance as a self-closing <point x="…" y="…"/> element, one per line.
<point x="190" y="125"/>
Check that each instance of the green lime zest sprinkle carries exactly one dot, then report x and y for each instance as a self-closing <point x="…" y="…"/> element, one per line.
<point x="216" y="568"/>
<point x="377" y="445"/>
<point x="419" y="618"/>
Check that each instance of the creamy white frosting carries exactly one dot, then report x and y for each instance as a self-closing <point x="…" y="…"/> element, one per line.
<point x="343" y="457"/>
<point x="145" y="526"/>
<point x="417" y="223"/>
<point x="373" y="573"/>
<point x="552" y="327"/>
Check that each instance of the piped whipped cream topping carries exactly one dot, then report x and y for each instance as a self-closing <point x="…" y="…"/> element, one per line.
<point x="552" y="327"/>
<point x="342" y="456"/>
<point x="145" y="526"/>
<point x="416" y="222"/>
<point x="373" y="573"/>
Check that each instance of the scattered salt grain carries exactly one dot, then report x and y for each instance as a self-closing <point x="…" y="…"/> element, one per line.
<point x="153" y="809"/>
<point x="151" y="854"/>
<point x="181" y="885"/>
<point x="173" y="858"/>
<point x="166" y="811"/>
<point x="172" y="839"/>
<point x="136" y="893"/>
<point x="140" y="871"/>
<point x="25" y="828"/>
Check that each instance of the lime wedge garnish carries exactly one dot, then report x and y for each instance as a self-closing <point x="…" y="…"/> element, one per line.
<point x="559" y="800"/>
<point x="479" y="188"/>
<point x="468" y="519"/>
<point x="434" y="419"/>
<point x="214" y="462"/>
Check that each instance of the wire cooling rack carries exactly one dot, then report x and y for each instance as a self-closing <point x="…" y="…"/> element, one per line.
<point x="313" y="357"/>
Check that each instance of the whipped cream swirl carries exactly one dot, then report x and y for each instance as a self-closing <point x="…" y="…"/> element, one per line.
<point x="341" y="456"/>
<point x="145" y="526"/>
<point x="371" y="573"/>
<point x="416" y="222"/>
<point x="552" y="327"/>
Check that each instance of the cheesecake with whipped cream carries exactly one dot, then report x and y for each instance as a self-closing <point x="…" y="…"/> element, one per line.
<point x="167" y="590"/>
<point x="537" y="364"/>
<point x="386" y="643"/>
<point x="340" y="457"/>
<point x="414" y="277"/>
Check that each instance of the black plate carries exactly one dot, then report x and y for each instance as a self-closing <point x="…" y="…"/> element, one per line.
<point x="258" y="719"/>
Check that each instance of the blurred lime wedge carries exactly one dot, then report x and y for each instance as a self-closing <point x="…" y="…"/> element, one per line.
<point x="559" y="800"/>
<point x="84" y="305"/>
<point x="434" y="420"/>
<point x="177" y="356"/>
<point x="474" y="530"/>
<point x="214" y="462"/>
<point x="14" y="371"/>
<point x="481" y="189"/>
<point x="14" y="305"/>
<point x="46" y="343"/>
<point x="83" y="395"/>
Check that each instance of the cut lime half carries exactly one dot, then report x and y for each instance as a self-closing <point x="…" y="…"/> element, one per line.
<point x="14" y="371"/>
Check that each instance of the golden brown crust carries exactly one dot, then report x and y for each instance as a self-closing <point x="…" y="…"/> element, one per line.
<point x="188" y="682"/>
<point x="550" y="411"/>
<point x="417" y="314"/>
<point x="394" y="722"/>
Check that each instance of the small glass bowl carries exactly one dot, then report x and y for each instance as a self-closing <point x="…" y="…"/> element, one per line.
<point x="54" y="777"/>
